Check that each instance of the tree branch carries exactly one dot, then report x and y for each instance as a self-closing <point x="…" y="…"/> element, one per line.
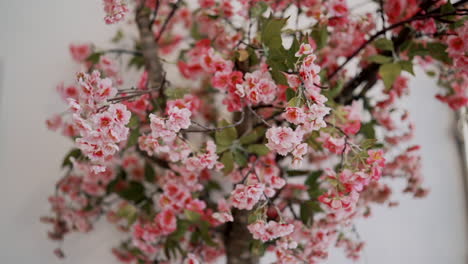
<point x="149" y="49"/>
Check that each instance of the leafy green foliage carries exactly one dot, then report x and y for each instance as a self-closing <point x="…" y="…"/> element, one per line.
<point x="384" y="44"/>
<point x="150" y="174"/>
<point x="259" y="149"/>
<point x="320" y="35"/>
<point x="133" y="192"/>
<point x="380" y="59"/>
<point x="225" y="137"/>
<point x="368" y="130"/>
<point x="407" y="66"/>
<point x="278" y="58"/>
<point x="133" y="137"/>
<point x="227" y="159"/>
<point x="74" y="153"/>
<point x="258" y="9"/>
<point x="389" y="73"/>
<point x="129" y="212"/>
<point x="94" y="57"/>
<point x="253" y="136"/>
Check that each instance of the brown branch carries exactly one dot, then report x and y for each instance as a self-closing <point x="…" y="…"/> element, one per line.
<point x="149" y="49"/>
<point x="169" y="17"/>
<point x="368" y="75"/>
<point x="382" y="32"/>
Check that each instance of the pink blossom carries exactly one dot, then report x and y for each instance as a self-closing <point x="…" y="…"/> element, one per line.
<point x="269" y="231"/>
<point x="245" y="197"/>
<point x="282" y="139"/>
<point x="376" y="157"/>
<point x="304" y="49"/>
<point x="54" y="122"/>
<point x="191" y="259"/>
<point x="80" y="52"/>
<point x="294" y="115"/>
<point x="178" y="119"/>
<point x="115" y="10"/>
<point x="167" y="221"/>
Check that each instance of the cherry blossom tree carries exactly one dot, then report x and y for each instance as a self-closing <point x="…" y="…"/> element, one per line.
<point x="216" y="128"/>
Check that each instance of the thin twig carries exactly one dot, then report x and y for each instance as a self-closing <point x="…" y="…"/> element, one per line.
<point x="258" y="116"/>
<point x="212" y="129"/>
<point x="169" y="17"/>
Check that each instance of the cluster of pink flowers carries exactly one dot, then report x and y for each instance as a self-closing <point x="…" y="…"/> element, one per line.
<point x="101" y="133"/>
<point x="270" y="230"/>
<point x="397" y="10"/>
<point x="284" y="140"/>
<point x="309" y="118"/>
<point x="344" y="188"/>
<point x="115" y="10"/>
<point x="146" y="235"/>
<point x="162" y="138"/>
<point x="80" y="52"/>
<point x="458" y="46"/>
<point x="100" y="130"/>
<point x="258" y="87"/>
<point x="246" y="197"/>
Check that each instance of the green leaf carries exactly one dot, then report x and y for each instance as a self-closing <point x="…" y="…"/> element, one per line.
<point x="368" y="143"/>
<point x="278" y="76"/>
<point x="134" y="121"/>
<point x="226" y="136"/>
<point x="383" y="44"/>
<point x="271" y="32"/>
<point x="176" y="93"/>
<point x="320" y="35"/>
<point x="290" y="94"/>
<point x="118" y="36"/>
<point x="335" y="91"/>
<point x="389" y="73"/>
<point x="182" y="227"/>
<point x="134" y="192"/>
<point x="448" y="8"/>
<point x="293" y="173"/>
<point x="380" y="59"/>
<point x="128" y="212"/>
<point x="368" y="130"/>
<point x="407" y="66"/>
<point x="312" y="141"/>
<point x="253" y="58"/>
<point x="192" y="216"/>
<point x="240" y="158"/>
<point x="149" y="172"/>
<point x="205" y="235"/>
<point x="258" y="9"/>
<point x="137" y="61"/>
<point x="438" y="51"/>
<point x="313" y="184"/>
<point x="259" y="149"/>
<point x="253" y="136"/>
<point x="212" y="185"/>
<point x="133" y="137"/>
<point x="228" y="161"/>
<point x="74" y="153"/>
<point x="257" y="247"/>
<point x="295" y="102"/>
<point x="307" y="211"/>
<point x="195" y="32"/>
<point x="94" y="57"/>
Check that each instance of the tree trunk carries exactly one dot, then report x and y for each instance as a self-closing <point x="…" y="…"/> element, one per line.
<point x="237" y="240"/>
<point x="237" y="237"/>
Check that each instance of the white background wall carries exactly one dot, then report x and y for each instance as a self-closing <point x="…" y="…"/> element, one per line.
<point x="34" y="38"/>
